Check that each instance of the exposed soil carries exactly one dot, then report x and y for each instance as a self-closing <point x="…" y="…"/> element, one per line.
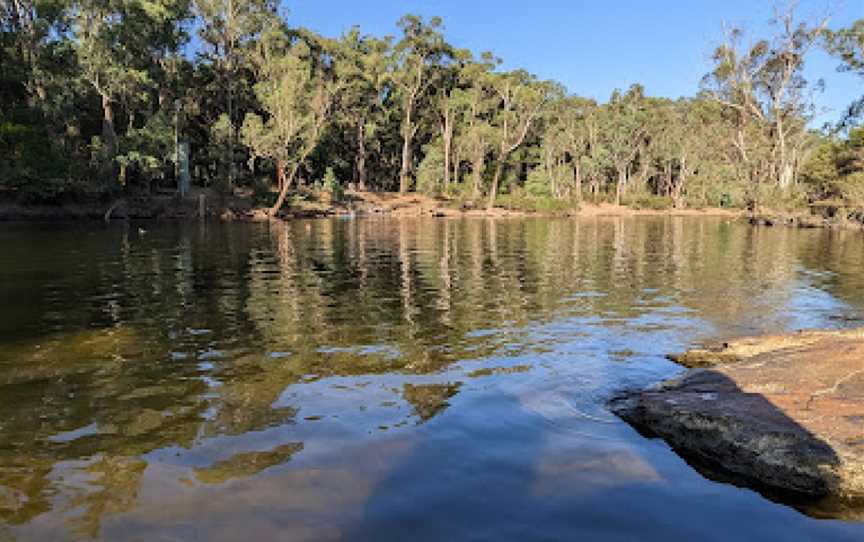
<point x="242" y="206"/>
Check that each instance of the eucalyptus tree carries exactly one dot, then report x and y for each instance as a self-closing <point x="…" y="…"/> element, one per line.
<point x="521" y="99"/>
<point x="577" y="133"/>
<point x="109" y="60"/>
<point x="625" y="126"/>
<point x="475" y="104"/>
<point x="227" y="28"/>
<point x="764" y="85"/>
<point x="121" y="49"/>
<point x="848" y="45"/>
<point x="296" y="97"/>
<point x="28" y="23"/>
<point x="450" y="104"/>
<point x="364" y="85"/>
<point x="415" y="65"/>
<point x="596" y="162"/>
<point x="554" y="174"/>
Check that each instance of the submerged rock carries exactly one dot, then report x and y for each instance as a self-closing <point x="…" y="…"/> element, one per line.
<point x="784" y="412"/>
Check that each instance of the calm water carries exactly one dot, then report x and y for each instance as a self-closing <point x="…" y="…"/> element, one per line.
<point x="383" y="379"/>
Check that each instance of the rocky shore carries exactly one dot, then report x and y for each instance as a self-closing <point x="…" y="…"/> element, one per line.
<point x="783" y="414"/>
<point x="830" y="215"/>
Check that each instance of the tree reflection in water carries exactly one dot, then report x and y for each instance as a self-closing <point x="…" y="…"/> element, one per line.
<point x="126" y="362"/>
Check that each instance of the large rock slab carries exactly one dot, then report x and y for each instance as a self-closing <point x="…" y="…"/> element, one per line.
<point x="781" y="412"/>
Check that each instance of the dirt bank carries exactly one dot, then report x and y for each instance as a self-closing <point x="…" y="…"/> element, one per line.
<point x="784" y="413"/>
<point x="306" y="204"/>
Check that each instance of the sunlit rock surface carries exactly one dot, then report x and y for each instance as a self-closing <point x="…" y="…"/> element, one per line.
<point x="780" y="412"/>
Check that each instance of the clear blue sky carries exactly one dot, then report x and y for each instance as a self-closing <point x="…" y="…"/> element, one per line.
<point x="593" y="47"/>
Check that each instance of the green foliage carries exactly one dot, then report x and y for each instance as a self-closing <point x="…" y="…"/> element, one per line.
<point x="851" y="188"/>
<point x="537" y="184"/>
<point x="520" y="201"/>
<point x="330" y="184"/>
<point x="92" y="92"/>
<point x="429" y="171"/>
<point x="262" y="193"/>
<point x="646" y="200"/>
<point x="33" y="169"/>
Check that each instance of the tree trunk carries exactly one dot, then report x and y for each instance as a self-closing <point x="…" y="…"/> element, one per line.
<point x="477" y="173"/>
<point x="447" y="136"/>
<point x="231" y="172"/>
<point x="407" y="136"/>
<point x="361" y="157"/>
<point x="578" y="187"/>
<point x="285" y="183"/>
<point x="493" y="190"/>
<point x="109" y="136"/>
<point x="619" y="186"/>
<point x="669" y="179"/>
<point x="456" y="161"/>
<point x="677" y="188"/>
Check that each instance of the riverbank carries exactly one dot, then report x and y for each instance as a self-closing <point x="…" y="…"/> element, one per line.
<point x="780" y="413"/>
<point x="243" y="206"/>
<point x="307" y="204"/>
<point x="831" y="215"/>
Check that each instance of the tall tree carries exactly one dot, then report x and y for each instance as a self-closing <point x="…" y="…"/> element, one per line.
<point x="765" y="84"/>
<point x="623" y="133"/>
<point x="416" y="59"/>
<point x="848" y="45"/>
<point x="296" y="97"/>
<point x="364" y="83"/>
<point x="227" y="28"/>
<point x="521" y="100"/>
<point x="475" y="104"/>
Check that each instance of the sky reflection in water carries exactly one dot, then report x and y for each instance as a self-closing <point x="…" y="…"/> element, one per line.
<point x="380" y="379"/>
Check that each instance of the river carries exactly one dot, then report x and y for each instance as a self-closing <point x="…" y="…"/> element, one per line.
<point x="384" y="379"/>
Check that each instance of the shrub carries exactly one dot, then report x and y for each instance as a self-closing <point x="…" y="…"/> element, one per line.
<point x="429" y="170"/>
<point x="646" y="200"/>
<point x="331" y="184"/>
<point x="851" y="188"/>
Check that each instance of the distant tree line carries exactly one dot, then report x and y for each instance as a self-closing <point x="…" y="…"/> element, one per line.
<point x="94" y="95"/>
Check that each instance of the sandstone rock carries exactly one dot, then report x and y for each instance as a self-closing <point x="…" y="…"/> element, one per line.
<point x="781" y="412"/>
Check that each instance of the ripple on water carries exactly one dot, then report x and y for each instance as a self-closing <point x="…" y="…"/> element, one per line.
<point x="375" y="379"/>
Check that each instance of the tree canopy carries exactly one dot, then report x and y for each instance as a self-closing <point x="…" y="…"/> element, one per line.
<point x="96" y="94"/>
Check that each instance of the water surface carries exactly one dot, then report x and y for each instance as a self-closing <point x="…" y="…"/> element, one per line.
<point x="384" y="379"/>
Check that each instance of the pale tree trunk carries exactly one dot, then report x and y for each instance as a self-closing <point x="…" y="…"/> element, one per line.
<point x="407" y="136"/>
<point x="619" y="186"/>
<point x="493" y="190"/>
<point x="678" y="187"/>
<point x="447" y="137"/>
<point x="285" y="183"/>
<point x="642" y="178"/>
<point x="578" y="180"/>
<point x="456" y="160"/>
<point x="669" y="181"/>
<point x="361" y="157"/>
<point x="109" y="135"/>
<point x="785" y="168"/>
<point x="477" y="172"/>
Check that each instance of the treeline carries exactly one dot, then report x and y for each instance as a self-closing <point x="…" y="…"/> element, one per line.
<point x="96" y="94"/>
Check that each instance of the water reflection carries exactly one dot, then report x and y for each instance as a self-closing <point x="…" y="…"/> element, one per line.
<point x="200" y="361"/>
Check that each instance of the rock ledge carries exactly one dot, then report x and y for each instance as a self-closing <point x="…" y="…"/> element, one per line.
<point x="781" y="412"/>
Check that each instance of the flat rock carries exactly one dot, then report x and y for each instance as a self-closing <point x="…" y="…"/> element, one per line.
<point x="780" y="412"/>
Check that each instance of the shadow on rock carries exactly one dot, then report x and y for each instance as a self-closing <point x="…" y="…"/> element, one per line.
<point x="785" y="422"/>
